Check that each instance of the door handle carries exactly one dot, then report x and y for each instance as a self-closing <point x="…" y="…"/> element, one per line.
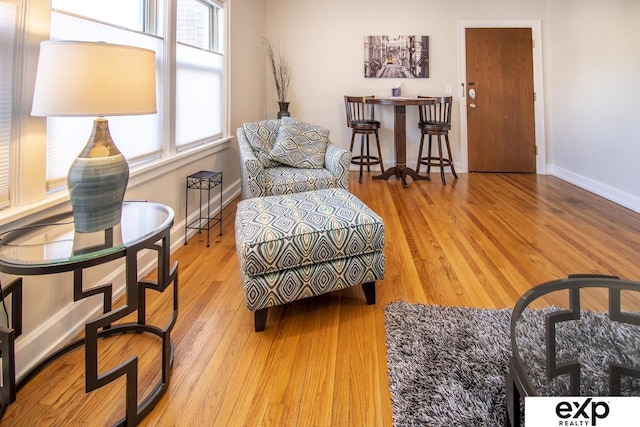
<point x="472" y="106"/>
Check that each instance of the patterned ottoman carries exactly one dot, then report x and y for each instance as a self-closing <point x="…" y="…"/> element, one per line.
<point x="300" y="245"/>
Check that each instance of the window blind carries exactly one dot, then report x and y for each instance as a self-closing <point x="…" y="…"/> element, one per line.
<point x="199" y="95"/>
<point x="7" y="36"/>
<point x="199" y="73"/>
<point x="123" y="13"/>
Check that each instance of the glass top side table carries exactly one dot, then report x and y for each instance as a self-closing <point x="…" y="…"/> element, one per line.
<point x="582" y="342"/>
<point x="52" y="246"/>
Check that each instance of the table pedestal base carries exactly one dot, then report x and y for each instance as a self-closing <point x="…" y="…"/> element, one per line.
<point x="400" y="138"/>
<point x="401" y="172"/>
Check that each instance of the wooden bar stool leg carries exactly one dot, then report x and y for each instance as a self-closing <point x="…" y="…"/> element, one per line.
<point x="428" y="157"/>
<point x="420" y="153"/>
<point x="354" y="157"/>
<point x="362" y="138"/>
<point x="453" y="169"/>
<point x="368" y="156"/>
<point x="444" y="181"/>
<point x="379" y="153"/>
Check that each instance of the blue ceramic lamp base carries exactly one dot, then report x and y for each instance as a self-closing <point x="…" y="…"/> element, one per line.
<point x="97" y="182"/>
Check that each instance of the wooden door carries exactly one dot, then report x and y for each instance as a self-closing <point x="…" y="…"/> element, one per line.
<point x="500" y="119"/>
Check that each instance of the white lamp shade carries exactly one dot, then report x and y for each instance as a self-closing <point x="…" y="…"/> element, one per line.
<point x="94" y="79"/>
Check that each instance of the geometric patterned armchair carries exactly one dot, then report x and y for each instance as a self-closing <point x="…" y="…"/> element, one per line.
<point x="288" y="156"/>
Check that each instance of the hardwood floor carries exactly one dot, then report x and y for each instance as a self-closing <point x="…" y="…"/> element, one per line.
<point x="480" y="241"/>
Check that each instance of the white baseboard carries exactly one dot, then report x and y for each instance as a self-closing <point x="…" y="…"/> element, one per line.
<point x="68" y="323"/>
<point x="626" y="200"/>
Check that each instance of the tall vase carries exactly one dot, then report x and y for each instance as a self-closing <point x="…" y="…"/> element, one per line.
<point x="284" y="110"/>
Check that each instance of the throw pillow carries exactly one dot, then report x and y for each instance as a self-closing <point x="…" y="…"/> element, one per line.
<point x="262" y="135"/>
<point x="300" y="144"/>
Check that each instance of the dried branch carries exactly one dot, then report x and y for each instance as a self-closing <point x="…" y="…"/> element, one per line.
<point x="280" y="69"/>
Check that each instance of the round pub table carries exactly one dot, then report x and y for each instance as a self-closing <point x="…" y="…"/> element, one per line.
<point x="400" y="170"/>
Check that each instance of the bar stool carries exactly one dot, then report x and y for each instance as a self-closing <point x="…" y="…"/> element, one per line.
<point x="435" y="120"/>
<point x="361" y="120"/>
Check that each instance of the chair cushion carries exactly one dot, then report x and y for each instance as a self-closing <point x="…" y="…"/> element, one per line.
<point x="261" y="136"/>
<point x="365" y="123"/>
<point x="287" y="179"/>
<point x="365" y="126"/>
<point x="300" y="144"/>
<point x="435" y="127"/>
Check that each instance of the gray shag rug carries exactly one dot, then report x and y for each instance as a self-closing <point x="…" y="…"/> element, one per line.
<point x="447" y="365"/>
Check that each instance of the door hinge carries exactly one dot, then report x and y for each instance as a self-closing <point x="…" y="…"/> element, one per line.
<point x="535" y="97"/>
<point x="536" y="147"/>
<point x="533" y="43"/>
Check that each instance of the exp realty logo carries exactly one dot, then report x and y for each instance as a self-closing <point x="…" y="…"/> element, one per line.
<point x="586" y="413"/>
<point x="579" y="411"/>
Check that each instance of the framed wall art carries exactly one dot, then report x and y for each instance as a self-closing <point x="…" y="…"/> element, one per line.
<point x="396" y="57"/>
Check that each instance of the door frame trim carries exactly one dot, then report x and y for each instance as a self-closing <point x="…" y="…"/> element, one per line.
<point x="538" y="87"/>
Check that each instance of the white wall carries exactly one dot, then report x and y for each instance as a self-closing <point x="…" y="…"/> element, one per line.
<point x="324" y="41"/>
<point x="593" y="67"/>
<point x="248" y="78"/>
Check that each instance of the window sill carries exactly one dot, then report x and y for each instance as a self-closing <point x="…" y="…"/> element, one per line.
<point x="55" y="201"/>
<point x="149" y="171"/>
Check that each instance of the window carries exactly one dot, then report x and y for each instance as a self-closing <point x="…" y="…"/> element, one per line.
<point x="188" y="39"/>
<point x="123" y="13"/>
<point x="195" y="24"/>
<point x="7" y="36"/>
<point x="139" y="138"/>
<point x="199" y="66"/>
<point x="196" y="87"/>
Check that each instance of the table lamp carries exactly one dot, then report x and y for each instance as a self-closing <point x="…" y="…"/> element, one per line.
<point x="77" y="78"/>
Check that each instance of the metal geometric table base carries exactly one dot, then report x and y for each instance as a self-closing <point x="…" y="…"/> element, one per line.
<point x="103" y="327"/>
<point x="518" y="383"/>
<point x="7" y="344"/>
